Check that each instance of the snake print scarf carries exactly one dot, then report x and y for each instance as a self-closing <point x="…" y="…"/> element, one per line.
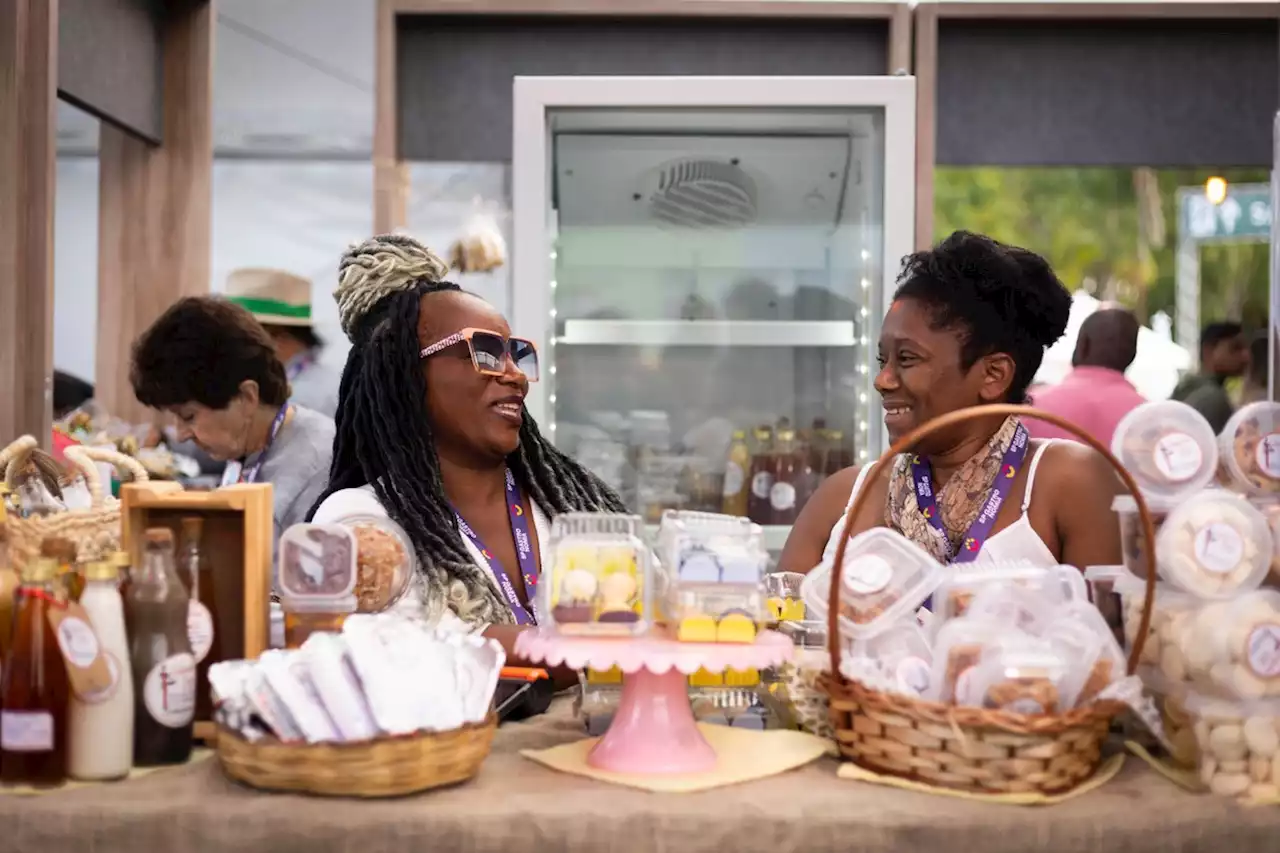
<point x="959" y="501"/>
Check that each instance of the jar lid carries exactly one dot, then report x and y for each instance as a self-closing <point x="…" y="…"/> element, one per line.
<point x="1249" y="448"/>
<point x="1167" y="447"/>
<point x="317" y="561"/>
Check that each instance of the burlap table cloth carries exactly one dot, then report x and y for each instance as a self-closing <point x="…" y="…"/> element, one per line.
<point x="516" y="804"/>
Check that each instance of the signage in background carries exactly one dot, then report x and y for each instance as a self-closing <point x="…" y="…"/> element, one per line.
<point x="1245" y="214"/>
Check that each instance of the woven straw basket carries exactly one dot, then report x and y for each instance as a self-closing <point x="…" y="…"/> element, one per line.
<point x="970" y="748"/>
<point x="95" y="531"/>
<point x="387" y="767"/>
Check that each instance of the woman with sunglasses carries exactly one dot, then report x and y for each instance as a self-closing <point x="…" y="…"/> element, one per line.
<point x="432" y="433"/>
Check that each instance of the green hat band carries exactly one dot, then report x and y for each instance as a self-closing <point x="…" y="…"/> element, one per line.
<point x="273" y="307"/>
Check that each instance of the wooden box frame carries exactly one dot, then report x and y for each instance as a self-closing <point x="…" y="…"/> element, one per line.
<point x="238" y="516"/>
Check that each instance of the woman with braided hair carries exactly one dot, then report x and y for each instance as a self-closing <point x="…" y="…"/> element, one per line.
<point x="432" y="433"/>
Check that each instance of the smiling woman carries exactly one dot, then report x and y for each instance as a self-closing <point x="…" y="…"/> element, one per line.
<point x="433" y="433"/>
<point x="968" y="326"/>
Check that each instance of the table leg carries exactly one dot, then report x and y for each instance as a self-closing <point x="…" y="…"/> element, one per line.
<point x="654" y="730"/>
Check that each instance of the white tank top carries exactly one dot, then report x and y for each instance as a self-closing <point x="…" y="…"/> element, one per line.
<point x="1018" y="542"/>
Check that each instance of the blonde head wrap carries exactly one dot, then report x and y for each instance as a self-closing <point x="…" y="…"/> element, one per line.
<point x="378" y="267"/>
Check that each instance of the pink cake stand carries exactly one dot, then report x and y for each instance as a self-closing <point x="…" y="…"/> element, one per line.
<point x="654" y="730"/>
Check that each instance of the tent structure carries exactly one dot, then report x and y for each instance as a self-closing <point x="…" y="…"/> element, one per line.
<point x="1155" y="371"/>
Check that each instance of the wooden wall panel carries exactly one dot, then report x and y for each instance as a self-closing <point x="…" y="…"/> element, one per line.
<point x="154" y="215"/>
<point x="28" y="93"/>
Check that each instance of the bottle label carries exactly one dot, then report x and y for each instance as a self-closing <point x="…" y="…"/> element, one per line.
<point x="78" y="642"/>
<point x="169" y="692"/>
<point x="1219" y="548"/>
<point x="1264" y="650"/>
<point x="782" y="496"/>
<point x="97" y="697"/>
<point x="199" y="630"/>
<point x="26" y="731"/>
<point x="1178" y="457"/>
<point x="866" y="575"/>
<point x="734" y="479"/>
<point x="1268" y="456"/>
<point x="913" y="675"/>
<point x="761" y="483"/>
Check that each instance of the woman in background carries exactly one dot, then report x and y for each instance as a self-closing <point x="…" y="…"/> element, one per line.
<point x="433" y="433"/>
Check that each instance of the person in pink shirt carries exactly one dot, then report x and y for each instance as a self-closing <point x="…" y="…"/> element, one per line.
<point x="1094" y="395"/>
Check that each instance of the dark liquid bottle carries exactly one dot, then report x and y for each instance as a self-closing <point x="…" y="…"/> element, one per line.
<point x="761" y="480"/>
<point x="202" y="618"/>
<point x="783" y="493"/>
<point x="164" y="671"/>
<point x="34" y="692"/>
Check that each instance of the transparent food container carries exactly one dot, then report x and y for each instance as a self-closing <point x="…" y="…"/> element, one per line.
<point x="1023" y="676"/>
<point x="782" y="596"/>
<point x="903" y="655"/>
<point x="1239" y="745"/>
<point x="1101" y="581"/>
<point x="958" y="590"/>
<point x="1214" y="545"/>
<point x="1168" y="447"/>
<point x="602" y="576"/>
<point x="1170" y="611"/>
<point x="306" y="616"/>
<point x="958" y="649"/>
<point x="317" y="561"/>
<point x="1084" y="636"/>
<point x="1234" y="646"/>
<point x="385" y="561"/>
<point x="1133" y="542"/>
<point x="1249" y="449"/>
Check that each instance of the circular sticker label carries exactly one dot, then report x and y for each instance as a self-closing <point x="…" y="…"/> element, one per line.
<point x="1264" y="650"/>
<point x="1178" y="457"/>
<point x="199" y="630"/>
<point x="913" y="675"/>
<point x="169" y="693"/>
<point x="1267" y="455"/>
<point x="964" y="681"/>
<point x="1025" y="705"/>
<point x="866" y="575"/>
<point x="97" y="697"/>
<point x="78" y="642"/>
<point x="761" y="484"/>
<point x="782" y="496"/>
<point x="1219" y="547"/>
<point x="734" y="478"/>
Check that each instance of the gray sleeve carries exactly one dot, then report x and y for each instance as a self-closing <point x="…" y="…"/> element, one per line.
<point x="1211" y="400"/>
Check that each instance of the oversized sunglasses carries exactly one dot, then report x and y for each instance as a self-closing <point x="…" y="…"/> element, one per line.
<point x="490" y="351"/>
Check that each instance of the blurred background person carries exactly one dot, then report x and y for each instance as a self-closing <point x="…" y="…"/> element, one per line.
<point x="1254" y="387"/>
<point x="72" y="392"/>
<point x="281" y="302"/>
<point x="1223" y="355"/>
<point x="1094" y="395"/>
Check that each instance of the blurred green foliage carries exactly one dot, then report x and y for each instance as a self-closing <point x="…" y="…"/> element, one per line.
<point x="1089" y="224"/>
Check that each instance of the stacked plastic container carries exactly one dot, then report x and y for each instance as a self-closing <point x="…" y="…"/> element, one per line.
<point x="1212" y="654"/>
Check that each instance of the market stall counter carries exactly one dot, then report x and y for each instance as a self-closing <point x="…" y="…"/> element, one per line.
<point x="515" y="802"/>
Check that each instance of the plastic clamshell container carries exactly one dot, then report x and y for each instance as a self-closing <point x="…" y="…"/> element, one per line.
<point x="1024" y="608"/>
<point x="1215" y="545"/>
<point x="805" y="634"/>
<point x="1249" y="449"/>
<point x="1238" y="744"/>
<point x="903" y="654"/>
<point x="306" y="616"/>
<point x="1101" y="581"/>
<point x="1169" y="699"/>
<point x="885" y="577"/>
<point x="317" y="561"/>
<point x="1053" y="583"/>
<point x="1168" y="448"/>
<point x="601" y="579"/>
<point x="1270" y="508"/>
<point x="385" y="561"/>
<point x="1170" y="612"/>
<point x="1024" y="676"/>
<point x="958" y="648"/>
<point x="1132" y="541"/>
<point x="1233" y="647"/>
<point x="1084" y="636"/>
<point x="782" y="596"/>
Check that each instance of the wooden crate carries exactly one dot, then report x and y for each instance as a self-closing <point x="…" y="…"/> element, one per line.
<point x="238" y="536"/>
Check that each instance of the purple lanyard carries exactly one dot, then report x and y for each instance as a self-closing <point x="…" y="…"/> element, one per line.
<point x="524" y="553"/>
<point x="250" y="474"/>
<point x="978" y="532"/>
<point x="300" y="364"/>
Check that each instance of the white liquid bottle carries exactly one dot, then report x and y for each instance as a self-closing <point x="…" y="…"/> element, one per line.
<point x="100" y="727"/>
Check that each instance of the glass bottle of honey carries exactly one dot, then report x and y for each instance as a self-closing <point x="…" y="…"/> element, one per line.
<point x="34" y="691"/>
<point x="197" y="575"/>
<point x="761" y="481"/>
<point x="736" y="488"/>
<point x="782" y="494"/>
<point x="9" y="582"/>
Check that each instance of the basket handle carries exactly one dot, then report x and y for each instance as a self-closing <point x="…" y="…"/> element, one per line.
<point x="960" y="416"/>
<point x="85" y="457"/>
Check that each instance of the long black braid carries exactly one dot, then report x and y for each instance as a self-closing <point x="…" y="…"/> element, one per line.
<point x="384" y="439"/>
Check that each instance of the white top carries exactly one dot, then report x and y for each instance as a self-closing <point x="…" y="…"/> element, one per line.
<point x="364" y="501"/>
<point x="1018" y="542"/>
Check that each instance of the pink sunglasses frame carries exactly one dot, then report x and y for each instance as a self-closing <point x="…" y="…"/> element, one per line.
<point x="466" y="335"/>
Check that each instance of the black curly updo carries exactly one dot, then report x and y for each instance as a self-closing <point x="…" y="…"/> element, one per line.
<point x="999" y="298"/>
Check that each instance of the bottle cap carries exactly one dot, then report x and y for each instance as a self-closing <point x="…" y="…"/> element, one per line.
<point x="192" y="526"/>
<point x="120" y="560"/>
<point x="101" y="570"/>
<point x="159" y="537"/>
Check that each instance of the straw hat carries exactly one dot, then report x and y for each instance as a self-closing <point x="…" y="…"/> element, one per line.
<point x="274" y="297"/>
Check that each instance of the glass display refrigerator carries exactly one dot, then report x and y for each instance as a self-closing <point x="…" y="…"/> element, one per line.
<point x="703" y="264"/>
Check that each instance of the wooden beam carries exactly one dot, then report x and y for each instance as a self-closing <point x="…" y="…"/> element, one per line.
<point x="390" y="175"/>
<point x="1175" y="10"/>
<point x="28" y="128"/>
<point x="154" y="206"/>
<point x="652" y="8"/>
<point x="926" y="71"/>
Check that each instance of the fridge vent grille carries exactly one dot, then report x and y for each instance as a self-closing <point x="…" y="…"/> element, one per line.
<point x="703" y="194"/>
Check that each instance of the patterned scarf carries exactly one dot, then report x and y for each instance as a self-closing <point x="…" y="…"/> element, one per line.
<point x="959" y="501"/>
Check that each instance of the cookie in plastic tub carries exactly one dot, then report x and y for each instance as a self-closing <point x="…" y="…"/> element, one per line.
<point x="1239" y="744"/>
<point x="1171" y="612"/>
<point x="957" y="592"/>
<point x="1235" y="645"/>
<point x="385" y="561"/>
<point x="602" y="576"/>
<point x="1023" y="676"/>
<point x="1168" y="448"/>
<point x="1133" y="542"/>
<point x="902" y="655"/>
<point x="957" y="649"/>
<point x="1214" y="545"/>
<point x="885" y="577"/>
<point x="1249" y="449"/>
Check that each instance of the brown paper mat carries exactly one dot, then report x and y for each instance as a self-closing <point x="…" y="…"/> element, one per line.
<point x="71" y="784"/>
<point x="743" y="755"/>
<point x="1104" y="774"/>
<point x="1185" y="778"/>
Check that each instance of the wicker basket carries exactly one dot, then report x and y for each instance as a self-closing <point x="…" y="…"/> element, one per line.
<point x="969" y="748"/>
<point x="387" y="767"/>
<point x="95" y="531"/>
